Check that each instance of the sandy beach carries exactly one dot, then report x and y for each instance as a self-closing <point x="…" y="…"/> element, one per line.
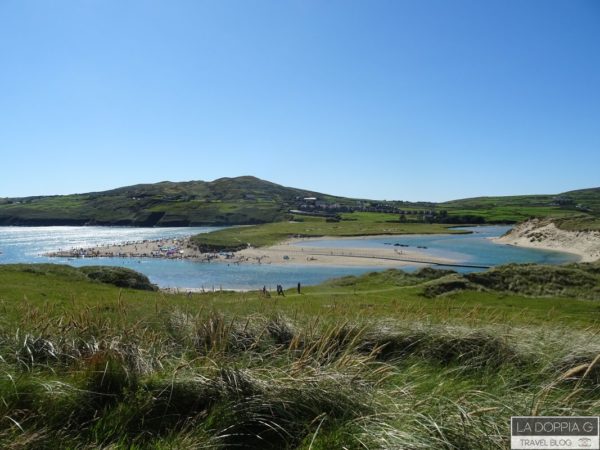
<point x="288" y="252"/>
<point x="543" y="234"/>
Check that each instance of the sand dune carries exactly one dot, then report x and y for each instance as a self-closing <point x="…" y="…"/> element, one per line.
<point x="543" y="233"/>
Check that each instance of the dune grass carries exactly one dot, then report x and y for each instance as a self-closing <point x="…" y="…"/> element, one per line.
<point x="579" y="223"/>
<point x="359" y="362"/>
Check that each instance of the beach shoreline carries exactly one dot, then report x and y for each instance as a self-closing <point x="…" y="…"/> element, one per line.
<point x="285" y="253"/>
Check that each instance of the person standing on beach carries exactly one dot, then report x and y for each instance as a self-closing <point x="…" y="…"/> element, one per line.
<point x="298" y="287"/>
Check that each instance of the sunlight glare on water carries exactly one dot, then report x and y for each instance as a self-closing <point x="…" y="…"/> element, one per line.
<point x="28" y="245"/>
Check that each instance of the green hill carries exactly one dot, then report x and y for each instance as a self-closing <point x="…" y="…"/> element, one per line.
<point x="510" y="209"/>
<point x="248" y="200"/>
<point x="226" y="201"/>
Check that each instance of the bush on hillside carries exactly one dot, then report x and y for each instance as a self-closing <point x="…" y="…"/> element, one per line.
<point x="540" y="280"/>
<point x="119" y="276"/>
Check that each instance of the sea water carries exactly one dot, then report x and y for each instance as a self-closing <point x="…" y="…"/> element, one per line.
<point x="474" y="248"/>
<point x="29" y="244"/>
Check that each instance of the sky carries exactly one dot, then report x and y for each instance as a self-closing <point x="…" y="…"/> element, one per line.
<point x="384" y="99"/>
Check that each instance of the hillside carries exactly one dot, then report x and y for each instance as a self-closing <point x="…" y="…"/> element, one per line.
<point x="248" y="200"/>
<point x="226" y="201"/>
<point x="511" y="209"/>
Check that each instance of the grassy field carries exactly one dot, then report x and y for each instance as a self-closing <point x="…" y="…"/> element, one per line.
<point x="385" y="360"/>
<point x="506" y="209"/>
<point x="261" y="235"/>
<point x="510" y="214"/>
<point x="354" y="224"/>
<point x="522" y="207"/>
<point x="578" y="223"/>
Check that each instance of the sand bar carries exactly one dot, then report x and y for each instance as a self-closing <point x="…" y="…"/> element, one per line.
<point x="288" y="252"/>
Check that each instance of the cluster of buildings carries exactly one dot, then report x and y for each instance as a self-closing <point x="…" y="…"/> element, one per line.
<point x="311" y="204"/>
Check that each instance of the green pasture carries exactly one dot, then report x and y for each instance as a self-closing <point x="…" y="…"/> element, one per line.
<point x="272" y="233"/>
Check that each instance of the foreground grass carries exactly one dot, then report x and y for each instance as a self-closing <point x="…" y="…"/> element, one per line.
<point x="360" y="362"/>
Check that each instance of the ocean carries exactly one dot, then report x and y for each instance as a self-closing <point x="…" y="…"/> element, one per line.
<point x="28" y="244"/>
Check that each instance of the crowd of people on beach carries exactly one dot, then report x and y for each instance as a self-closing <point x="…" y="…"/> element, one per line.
<point x="164" y="248"/>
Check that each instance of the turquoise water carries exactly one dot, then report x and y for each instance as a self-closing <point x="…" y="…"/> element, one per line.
<point x="474" y="248"/>
<point x="27" y="244"/>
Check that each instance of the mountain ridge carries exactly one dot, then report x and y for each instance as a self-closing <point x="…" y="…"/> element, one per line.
<point x="249" y="200"/>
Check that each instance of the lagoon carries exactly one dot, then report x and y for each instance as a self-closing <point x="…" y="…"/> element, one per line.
<point x="28" y="244"/>
<point x="475" y="248"/>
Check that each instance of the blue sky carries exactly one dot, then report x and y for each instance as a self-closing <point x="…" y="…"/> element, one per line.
<point x="405" y="100"/>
